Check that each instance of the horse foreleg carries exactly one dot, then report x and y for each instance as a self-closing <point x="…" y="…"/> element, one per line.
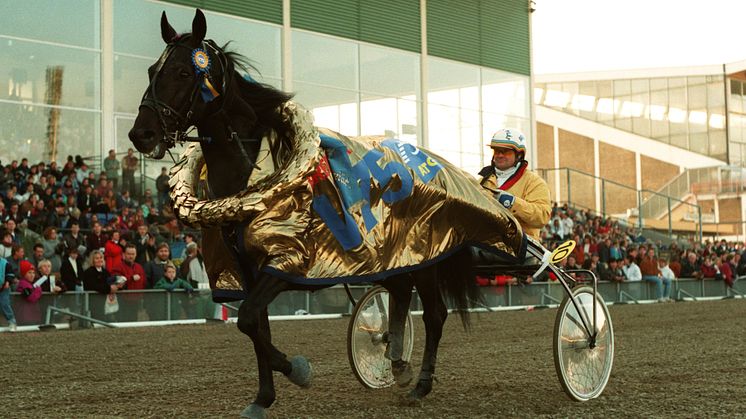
<point x="297" y="370"/>
<point x="434" y="316"/>
<point x="400" y="291"/>
<point x="254" y="322"/>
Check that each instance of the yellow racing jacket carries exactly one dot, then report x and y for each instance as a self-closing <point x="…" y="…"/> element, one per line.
<point x="531" y="207"/>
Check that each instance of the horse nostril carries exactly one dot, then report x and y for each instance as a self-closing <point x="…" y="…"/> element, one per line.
<point x="141" y="134"/>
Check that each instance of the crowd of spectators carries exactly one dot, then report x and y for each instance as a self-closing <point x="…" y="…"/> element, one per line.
<point x="618" y="252"/>
<point x="73" y="229"/>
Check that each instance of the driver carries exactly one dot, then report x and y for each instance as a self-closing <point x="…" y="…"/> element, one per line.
<point x="518" y="189"/>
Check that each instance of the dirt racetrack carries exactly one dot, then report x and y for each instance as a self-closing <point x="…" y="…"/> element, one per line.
<point x="682" y="359"/>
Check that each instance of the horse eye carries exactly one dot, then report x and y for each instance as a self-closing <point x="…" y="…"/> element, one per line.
<point x="185" y="74"/>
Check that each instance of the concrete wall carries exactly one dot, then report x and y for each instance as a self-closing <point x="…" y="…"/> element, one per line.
<point x="618" y="166"/>
<point x="545" y="144"/>
<point x="730" y="209"/>
<point x="656" y="173"/>
<point x="576" y="152"/>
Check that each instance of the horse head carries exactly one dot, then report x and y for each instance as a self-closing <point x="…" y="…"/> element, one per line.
<point x="187" y="84"/>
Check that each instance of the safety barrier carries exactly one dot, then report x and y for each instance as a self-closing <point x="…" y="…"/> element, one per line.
<point x="156" y="307"/>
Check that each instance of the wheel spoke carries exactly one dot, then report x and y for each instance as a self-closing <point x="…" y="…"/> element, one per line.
<point x="367" y="340"/>
<point x="583" y="370"/>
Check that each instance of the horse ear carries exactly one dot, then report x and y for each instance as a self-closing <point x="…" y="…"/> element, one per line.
<point x="168" y="33"/>
<point x="199" y="28"/>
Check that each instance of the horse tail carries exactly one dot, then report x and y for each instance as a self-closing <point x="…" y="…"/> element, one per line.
<point x="458" y="285"/>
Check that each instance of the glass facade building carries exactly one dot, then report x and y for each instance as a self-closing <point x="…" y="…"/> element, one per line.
<point x="688" y="112"/>
<point x="75" y="71"/>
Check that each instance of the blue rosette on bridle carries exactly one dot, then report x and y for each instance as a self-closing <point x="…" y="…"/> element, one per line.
<point x="201" y="63"/>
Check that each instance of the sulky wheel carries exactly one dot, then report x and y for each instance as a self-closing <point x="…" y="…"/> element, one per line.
<point x="367" y="337"/>
<point x="583" y="363"/>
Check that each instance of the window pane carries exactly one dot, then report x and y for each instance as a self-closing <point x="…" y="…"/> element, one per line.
<point x="24" y="133"/>
<point x="323" y="60"/>
<point x="137" y="31"/>
<point x="130" y="82"/>
<point x="25" y="78"/>
<point x="392" y="117"/>
<point x="504" y="93"/>
<point x="388" y="72"/>
<point x="73" y="22"/>
<point x="335" y="109"/>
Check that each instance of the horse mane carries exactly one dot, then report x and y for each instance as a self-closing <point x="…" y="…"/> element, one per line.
<point x="266" y="101"/>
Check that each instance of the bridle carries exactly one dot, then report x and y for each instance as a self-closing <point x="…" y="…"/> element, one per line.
<point x="177" y="123"/>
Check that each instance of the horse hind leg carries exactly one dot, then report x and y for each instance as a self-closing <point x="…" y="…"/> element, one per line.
<point x="434" y="316"/>
<point x="400" y="291"/>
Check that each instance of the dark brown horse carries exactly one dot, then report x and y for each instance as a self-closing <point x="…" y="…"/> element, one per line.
<point x="229" y="111"/>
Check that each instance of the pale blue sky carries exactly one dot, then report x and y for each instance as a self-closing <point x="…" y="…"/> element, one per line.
<point x="597" y="35"/>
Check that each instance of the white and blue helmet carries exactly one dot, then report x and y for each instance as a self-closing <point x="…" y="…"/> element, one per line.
<point x="509" y="138"/>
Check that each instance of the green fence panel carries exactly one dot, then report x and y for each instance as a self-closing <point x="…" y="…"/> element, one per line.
<point x="488" y="33"/>
<point x="264" y="10"/>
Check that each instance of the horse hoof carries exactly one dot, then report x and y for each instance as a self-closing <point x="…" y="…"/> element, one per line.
<point x="411" y="399"/>
<point x="254" y="411"/>
<point x="301" y="372"/>
<point x="402" y="371"/>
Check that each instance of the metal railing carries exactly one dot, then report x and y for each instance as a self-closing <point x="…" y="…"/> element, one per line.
<point x="159" y="305"/>
<point x="652" y="210"/>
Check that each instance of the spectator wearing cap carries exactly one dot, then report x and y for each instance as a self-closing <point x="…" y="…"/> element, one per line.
<point x="30" y="294"/>
<point x="188" y="238"/>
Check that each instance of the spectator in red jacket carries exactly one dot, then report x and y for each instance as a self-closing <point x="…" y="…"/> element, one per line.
<point x="724" y="269"/>
<point x="113" y="252"/>
<point x="135" y="275"/>
<point x="709" y="270"/>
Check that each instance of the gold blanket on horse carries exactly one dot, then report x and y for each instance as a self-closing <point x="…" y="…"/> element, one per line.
<point x="348" y="210"/>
